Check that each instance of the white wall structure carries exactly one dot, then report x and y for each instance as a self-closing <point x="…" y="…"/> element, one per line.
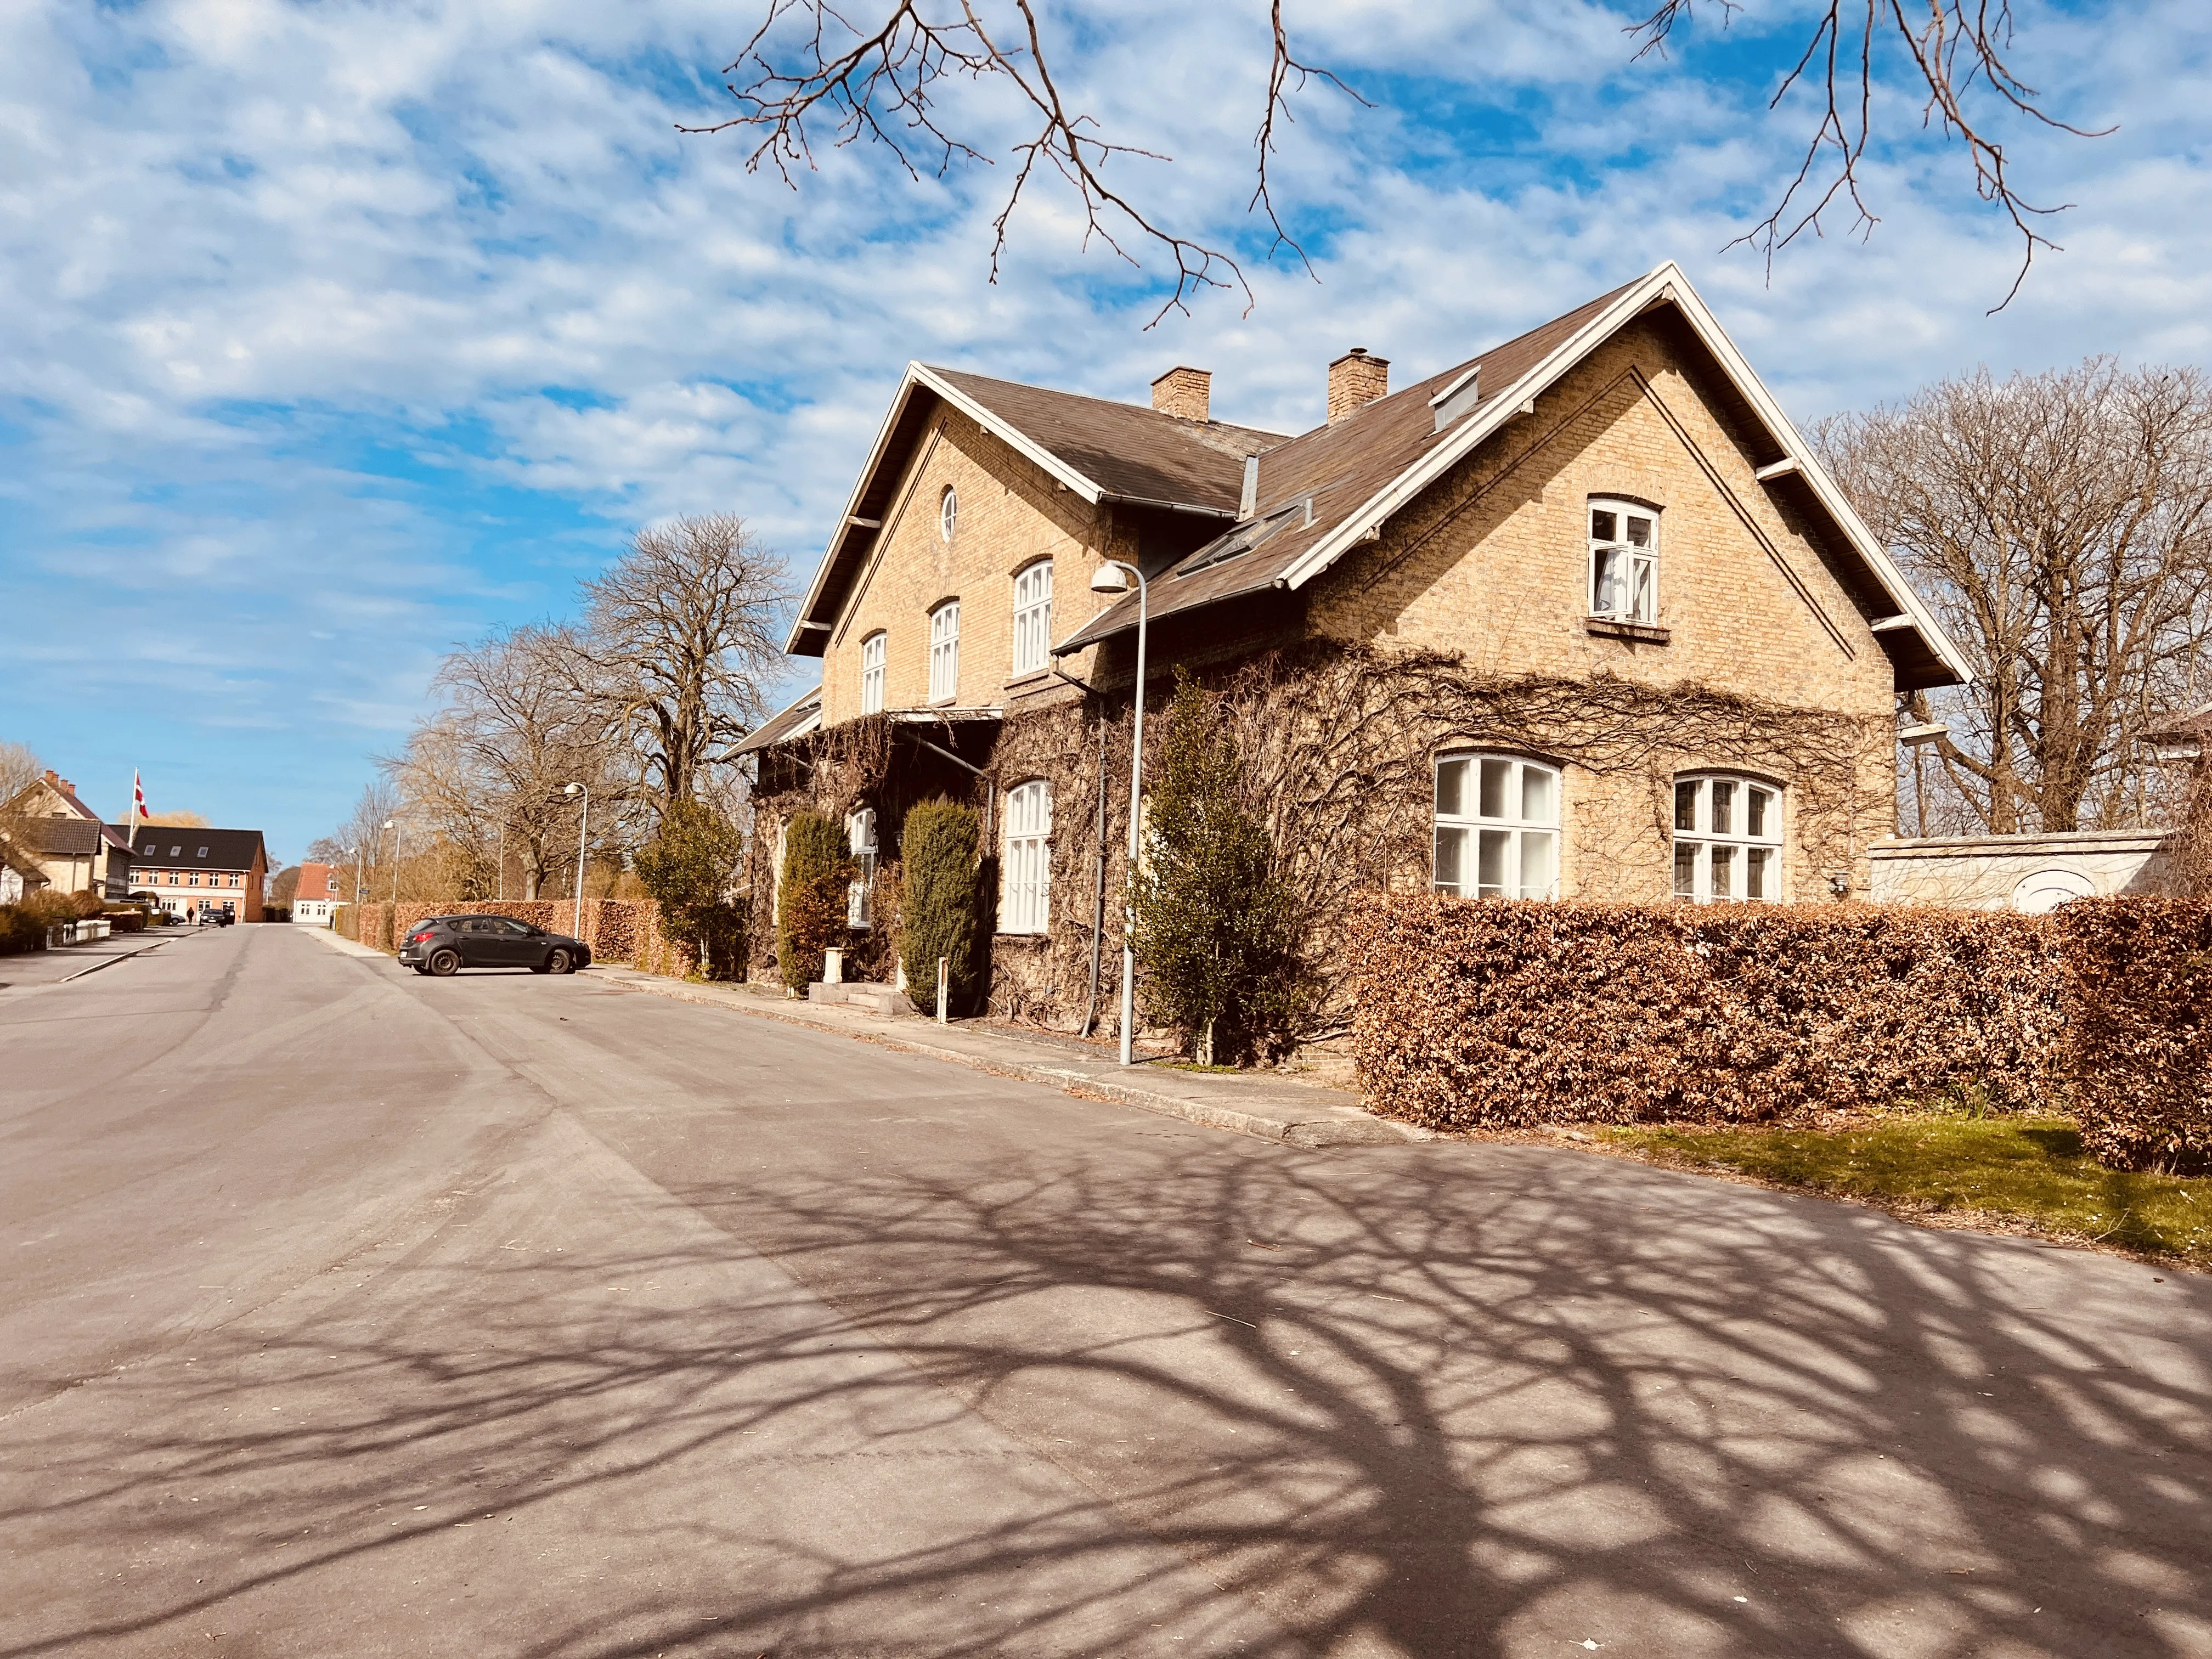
<point x="2031" y="874"/>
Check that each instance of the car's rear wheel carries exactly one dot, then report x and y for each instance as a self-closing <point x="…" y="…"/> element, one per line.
<point x="560" y="962"/>
<point x="445" y="962"/>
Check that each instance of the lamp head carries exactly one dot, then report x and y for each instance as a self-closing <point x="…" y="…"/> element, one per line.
<point x="392" y="824"/>
<point x="571" y="790"/>
<point x="1109" y="579"/>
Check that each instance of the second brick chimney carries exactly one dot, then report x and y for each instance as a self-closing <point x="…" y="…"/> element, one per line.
<point x="1355" y="380"/>
<point x="1184" y="393"/>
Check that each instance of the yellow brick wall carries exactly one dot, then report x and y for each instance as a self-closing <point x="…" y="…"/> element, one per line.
<point x="1011" y="513"/>
<point x="1493" y="563"/>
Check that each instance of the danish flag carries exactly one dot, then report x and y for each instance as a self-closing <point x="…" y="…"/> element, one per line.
<point x="137" y="798"/>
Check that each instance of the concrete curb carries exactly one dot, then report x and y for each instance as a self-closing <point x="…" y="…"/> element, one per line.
<point x="1328" y="1126"/>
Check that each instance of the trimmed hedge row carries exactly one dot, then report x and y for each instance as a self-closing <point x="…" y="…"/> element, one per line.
<point x="1472" y="1014"/>
<point x="2138" y="1069"/>
<point x="618" y="930"/>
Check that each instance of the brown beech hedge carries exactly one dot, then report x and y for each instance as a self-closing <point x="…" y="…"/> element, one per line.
<point x="2139" y="1076"/>
<point x="1490" y="1013"/>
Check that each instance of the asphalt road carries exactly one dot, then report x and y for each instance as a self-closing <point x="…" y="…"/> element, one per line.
<point x="347" y="1312"/>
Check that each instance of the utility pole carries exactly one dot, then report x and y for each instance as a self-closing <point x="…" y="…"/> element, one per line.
<point x="583" y="841"/>
<point x="1114" y="577"/>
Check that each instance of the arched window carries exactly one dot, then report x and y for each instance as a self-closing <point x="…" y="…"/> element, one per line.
<point x="1032" y="618"/>
<point x="948" y="514"/>
<point x="1624" y="561"/>
<point x="871" y="674"/>
<point x="944" y="651"/>
<point x="1498" y="827"/>
<point x="1728" y="840"/>
<point x="860" y="895"/>
<point x="1025" y="872"/>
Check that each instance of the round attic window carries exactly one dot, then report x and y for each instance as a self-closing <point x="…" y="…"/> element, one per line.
<point x="948" y="515"/>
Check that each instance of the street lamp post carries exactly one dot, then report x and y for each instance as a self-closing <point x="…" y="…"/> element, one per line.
<point x="1114" y="577"/>
<point x="353" y="852"/>
<point x="583" y="841"/>
<point x="397" y="841"/>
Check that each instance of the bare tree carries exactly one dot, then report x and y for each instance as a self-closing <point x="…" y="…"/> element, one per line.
<point x="880" y="72"/>
<point x="679" y="638"/>
<point x="2061" y="524"/>
<point x="486" y="772"/>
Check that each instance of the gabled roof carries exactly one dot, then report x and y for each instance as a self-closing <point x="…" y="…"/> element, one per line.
<point x="1101" y="451"/>
<point x="1346" y="480"/>
<point x="195" y="849"/>
<point x="795" y="718"/>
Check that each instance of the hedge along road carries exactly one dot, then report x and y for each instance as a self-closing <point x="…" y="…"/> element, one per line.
<point x="351" y="1312"/>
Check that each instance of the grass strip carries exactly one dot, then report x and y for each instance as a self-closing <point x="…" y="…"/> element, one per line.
<point x="2024" y="1170"/>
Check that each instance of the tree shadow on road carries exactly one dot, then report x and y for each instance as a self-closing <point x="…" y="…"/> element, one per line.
<point x="1430" y="1400"/>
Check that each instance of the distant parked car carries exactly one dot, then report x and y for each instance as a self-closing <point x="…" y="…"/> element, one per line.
<point x="445" y="944"/>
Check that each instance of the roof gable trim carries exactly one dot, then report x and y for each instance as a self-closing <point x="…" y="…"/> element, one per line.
<point x="1666" y="285"/>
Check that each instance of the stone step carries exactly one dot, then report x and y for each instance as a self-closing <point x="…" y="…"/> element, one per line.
<point x="884" y="999"/>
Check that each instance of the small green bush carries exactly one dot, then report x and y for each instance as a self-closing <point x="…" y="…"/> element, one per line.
<point x="810" y="897"/>
<point x="938" y="910"/>
<point x="1216" y="930"/>
<point x="688" y="867"/>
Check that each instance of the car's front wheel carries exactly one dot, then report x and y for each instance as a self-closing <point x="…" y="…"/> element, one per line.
<point x="560" y="962"/>
<point x="445" y="962"/>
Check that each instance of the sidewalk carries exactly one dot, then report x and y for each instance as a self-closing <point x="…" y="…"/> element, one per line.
<point x="1298" y="1113"/>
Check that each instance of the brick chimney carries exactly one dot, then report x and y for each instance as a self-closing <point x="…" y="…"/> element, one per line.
<point x="1355" y="380"/>
<point x="1184" y="393"/>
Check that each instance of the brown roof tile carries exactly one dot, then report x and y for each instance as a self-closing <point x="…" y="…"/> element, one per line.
<point x="1341" y="467"/>
<point x="1131" y="453"/>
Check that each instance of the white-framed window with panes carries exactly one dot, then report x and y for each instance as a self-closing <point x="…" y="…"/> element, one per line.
<point x="1728" y="840"/>
<point x="1497" y="827"/>
<point x="871" y="673"/>
<point x="944" y="651"/>
<point x="859" y="893"/>
<point x="948" y="514"/>
<point x="1623" y="561"/>
<point x="1025" y="868"/>
<point x="1032" y="618"/>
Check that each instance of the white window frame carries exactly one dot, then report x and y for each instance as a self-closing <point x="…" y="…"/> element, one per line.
<point x="1719" y="863"/>
<point x="948" y="514"/>
<point x="1025" y="862"/>
<point x="872" y="672"/>
<point x="1623" y="575"/>
<point x="944" y="652"/>
<point x="1032" y="618"/>
<point x="860" y="892"/>
<point x="1520" y="848"/>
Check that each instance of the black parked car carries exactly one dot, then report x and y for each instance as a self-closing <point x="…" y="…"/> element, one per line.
<point x="445" y="944"/>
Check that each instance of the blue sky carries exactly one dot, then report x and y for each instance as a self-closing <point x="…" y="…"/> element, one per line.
<point x="333" y="334"/>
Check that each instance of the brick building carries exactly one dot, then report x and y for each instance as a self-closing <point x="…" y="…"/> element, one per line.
<point x="186" y="872"/>
<point x="1580" y="617"/>
<point x="63" y="846"/>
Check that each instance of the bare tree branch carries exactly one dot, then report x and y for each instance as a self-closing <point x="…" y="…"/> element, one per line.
<point x="1957" y="45"/>
<point x="876" y="80"/>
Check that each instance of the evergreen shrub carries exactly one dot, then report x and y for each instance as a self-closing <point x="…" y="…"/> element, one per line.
<point x="20" y="931"/>
<point x="810" y="897"/>
<point x="688" y="867"/>
<point x="938" y="908"/>
<point x="1216" y="930"/>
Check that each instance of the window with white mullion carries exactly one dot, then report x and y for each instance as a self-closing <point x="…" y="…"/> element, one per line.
<point x="1728" y="841"/>
<point x="1497" y="827"/>
<point x="1025" y="868"/>
<point x="860" y="895"/>
<point x="944" y="651"/>
<point x="871" y="674"/>
<point x="1624" y="561"/>
<point x="1032" y="618"/>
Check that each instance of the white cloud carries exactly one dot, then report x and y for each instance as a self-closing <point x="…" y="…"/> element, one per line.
<point x="392" y="314"/>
